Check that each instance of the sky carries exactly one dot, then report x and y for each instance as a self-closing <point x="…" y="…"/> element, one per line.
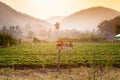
<point x="44" y="9"/>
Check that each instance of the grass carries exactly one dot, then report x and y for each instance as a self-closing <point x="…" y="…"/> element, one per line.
<point x="81" y="73"/>
<point x="29" y="62"/>
<point x="45" y="55"/>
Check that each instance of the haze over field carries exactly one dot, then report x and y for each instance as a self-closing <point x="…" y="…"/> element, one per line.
<point x="88" y="19"/>
<point x="45" y="9"/>
<point x="37" y="18"/>
<point x="60" y="39"/>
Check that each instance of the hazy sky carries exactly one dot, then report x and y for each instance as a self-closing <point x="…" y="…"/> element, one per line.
<point x="44" y="9"/>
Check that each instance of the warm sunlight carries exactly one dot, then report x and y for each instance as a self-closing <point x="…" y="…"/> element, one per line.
<point x="59" y="39"/>
<point x="47" y="8"/>
<point x="54" y="7"/>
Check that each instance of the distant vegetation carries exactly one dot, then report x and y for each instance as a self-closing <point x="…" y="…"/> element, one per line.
<point x="85" y="37"/>
<point x="9" y="36"/>
<point x="7" y="40"/>
<point x="109" y="28"/>
<point x="13" y="30"/>
<point x="117" y="29"/>
<point x="25" y="27"/>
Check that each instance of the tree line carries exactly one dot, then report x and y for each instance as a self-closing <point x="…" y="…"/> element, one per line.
<point x="10" y="36"/>
<point x="109" y="28"/>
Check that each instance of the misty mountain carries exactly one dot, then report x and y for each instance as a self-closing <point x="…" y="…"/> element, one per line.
<point x="10" y="17"/>
<point x="55" y="19"/>
<point x="88" y="19"/>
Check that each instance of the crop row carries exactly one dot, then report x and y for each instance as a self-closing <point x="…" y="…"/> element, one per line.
<point x="45" y="55"/>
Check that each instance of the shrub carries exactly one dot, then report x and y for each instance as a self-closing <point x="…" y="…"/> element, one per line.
<point x="7" y="40"/>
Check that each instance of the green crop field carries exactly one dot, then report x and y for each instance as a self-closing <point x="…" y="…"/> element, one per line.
<point x="45" y="55"/>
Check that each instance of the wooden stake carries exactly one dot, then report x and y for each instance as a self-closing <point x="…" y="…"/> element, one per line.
<point x="69" y="54"/>
<point x="59" y="60"/>
<point x="100" y="72"/>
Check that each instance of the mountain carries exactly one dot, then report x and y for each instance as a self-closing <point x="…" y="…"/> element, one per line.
<point x="88" y="19"/>
<point x="55" y="19"/>
<point x="10" y="17"/>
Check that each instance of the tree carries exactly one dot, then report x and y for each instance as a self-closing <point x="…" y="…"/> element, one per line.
<point x="117" y="29"/>
<point x="57" y="26"/>
<point x="109" y="29"/>
<point x="106" y="29"/>
<point x="4" y="29"/>
<point x="10" y="35"/>
<point x="31" y="34"/>
<point x="7" y="40"/>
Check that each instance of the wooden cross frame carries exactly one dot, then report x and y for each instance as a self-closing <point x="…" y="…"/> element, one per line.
<point x="67" y="45"/>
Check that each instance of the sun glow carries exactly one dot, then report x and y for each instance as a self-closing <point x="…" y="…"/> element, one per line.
<point x="47" y="8"/>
